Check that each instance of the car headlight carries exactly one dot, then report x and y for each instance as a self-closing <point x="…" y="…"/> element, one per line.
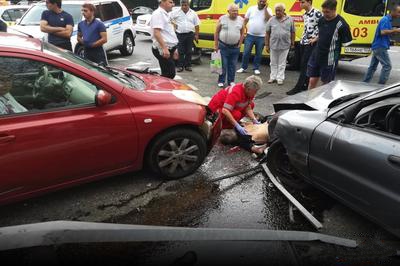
<point x="190" y="96"/>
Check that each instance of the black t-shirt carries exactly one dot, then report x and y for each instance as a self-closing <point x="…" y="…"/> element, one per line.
<point x="332" y="34"/>
<point x="57" y="20"/>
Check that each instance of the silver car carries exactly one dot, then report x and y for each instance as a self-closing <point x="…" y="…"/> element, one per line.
<point x="343" y="138"/>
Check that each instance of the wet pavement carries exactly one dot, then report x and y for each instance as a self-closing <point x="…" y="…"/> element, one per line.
<point x="246" y="201"/>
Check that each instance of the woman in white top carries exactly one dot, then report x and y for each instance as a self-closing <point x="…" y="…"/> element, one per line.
<point x="228" y="38"/>
<point x="8" y="104"/>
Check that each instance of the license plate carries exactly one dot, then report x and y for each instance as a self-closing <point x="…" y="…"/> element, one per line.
<point x="357" y="50"/>
<point x="142" y="21"/>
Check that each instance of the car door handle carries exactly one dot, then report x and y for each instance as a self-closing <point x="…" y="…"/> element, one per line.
<point x="7" y="138"/>
<point x="394" y="159"/>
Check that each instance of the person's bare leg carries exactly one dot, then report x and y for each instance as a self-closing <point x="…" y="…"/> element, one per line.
<point x="313" y="82"/>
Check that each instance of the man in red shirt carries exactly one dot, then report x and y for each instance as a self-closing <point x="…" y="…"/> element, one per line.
<point x="235" y="102"/>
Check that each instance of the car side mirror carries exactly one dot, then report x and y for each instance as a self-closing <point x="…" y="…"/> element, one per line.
<point x="102" y="98"/>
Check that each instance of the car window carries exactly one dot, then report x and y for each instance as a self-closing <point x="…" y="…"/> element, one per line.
<point x="197" y="5"/>
<point x="365" y="8"/>
<point x="381" y="116"/>
<point x="15" y="14"/>
<point x="6" y="16"/>
<point x="132" y="81"/>
<point x="33" y="15"/>
<point x="35" y="86"/>
<point x="109" y="11"/>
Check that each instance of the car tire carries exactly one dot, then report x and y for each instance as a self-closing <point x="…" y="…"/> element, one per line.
<point x="196" y="55"/>
<point x="127" y="44"/>
<point x="176" y="153"/>
<point x="279" y="164"/>
<point x="80" y="51"/>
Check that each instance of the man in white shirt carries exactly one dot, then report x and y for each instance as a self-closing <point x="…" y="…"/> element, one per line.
<point x="186" y="24"/>
<point x="164" y="38"/>
<point x="8" y="105"/>
<point x="257" y="18"/>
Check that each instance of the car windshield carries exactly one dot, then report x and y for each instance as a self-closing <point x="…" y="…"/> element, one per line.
<point x="123" y="78"/>
<point x="33" y="16"/>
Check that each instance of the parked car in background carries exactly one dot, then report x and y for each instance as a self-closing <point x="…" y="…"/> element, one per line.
<point x="142" y="25"/>
<point x="83" y="122"/>
<point x="140" y="10"/>
<point x="10" y="14"/>
<point x="114" y="14"/>
<point x="343" y="138"/>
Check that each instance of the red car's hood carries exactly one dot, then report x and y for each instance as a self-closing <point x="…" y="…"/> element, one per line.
<point x="161" y="83"/>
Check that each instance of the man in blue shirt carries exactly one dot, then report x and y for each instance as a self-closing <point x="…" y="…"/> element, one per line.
<point x="58" y="24"/>
<point x="92" y="34"/>
<point x="381" y="45"/>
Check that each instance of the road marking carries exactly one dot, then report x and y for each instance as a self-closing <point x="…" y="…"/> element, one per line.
<point x="142" y="63"/>
<point x="118" y="59"/>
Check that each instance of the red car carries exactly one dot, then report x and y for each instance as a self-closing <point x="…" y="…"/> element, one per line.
<point x="65" y="121"/>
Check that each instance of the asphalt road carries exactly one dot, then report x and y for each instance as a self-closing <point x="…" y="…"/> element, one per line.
<point x="239" y="202"/>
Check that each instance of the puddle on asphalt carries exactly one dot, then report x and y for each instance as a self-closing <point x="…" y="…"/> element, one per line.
<point x="246" y="201"/>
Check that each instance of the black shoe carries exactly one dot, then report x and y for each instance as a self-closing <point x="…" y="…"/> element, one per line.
<point x="293" y="91"/>
<point x="188" y="69"/>
<point x="180" y="69"/>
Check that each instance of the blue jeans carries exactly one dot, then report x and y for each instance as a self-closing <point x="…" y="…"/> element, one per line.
<point x="249" y="42"/>
<point x="379" y="55"/>
<point x="229" y="56"/>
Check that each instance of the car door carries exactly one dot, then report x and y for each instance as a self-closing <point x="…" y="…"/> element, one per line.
<point x="62" y="136"/>
<point x="360" y="166"/>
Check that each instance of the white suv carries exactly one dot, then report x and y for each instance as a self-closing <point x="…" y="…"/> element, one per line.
<point x="113" y="13"/>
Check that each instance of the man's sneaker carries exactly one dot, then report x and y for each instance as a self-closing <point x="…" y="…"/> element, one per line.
<point x="179" y="69"/>
<point x="257" y="72"/>
<point x="271" y="81"/>
<point x="188" y="69"/>
<point x="241" y="70"/>
<point x="293" y="91"/>
<point x="280" y="82"/>
<point x="220" y="85"/>
<point x="232" y="84"/>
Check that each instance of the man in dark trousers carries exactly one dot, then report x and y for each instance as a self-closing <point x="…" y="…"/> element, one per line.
<point x="307" y="43"/>
<point x="164" y="38"/>
<point x="186" y="24"/>
<point x="58" y="24"/>
<point x="333" y="33"/>
<point x="381" y="45"/>
<point x="92" y="34"/>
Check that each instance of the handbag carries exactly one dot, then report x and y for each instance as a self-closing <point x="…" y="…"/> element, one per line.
<point x="216" y="63"/>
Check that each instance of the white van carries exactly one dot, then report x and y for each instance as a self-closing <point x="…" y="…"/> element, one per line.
<point x="113" y="13"/>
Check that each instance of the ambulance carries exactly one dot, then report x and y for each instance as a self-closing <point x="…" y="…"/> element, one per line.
<point x="362" y="16"/>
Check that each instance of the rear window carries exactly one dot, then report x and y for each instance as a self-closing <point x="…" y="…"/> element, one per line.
<point x="371" y="8"/>
<point x="197" y="5"/>
<point x="109" y="11"/>
<point x="13" y="14"/>
<point x="33" y="15"/>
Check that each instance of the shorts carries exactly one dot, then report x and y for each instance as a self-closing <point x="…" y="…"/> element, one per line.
<point x="316" y="69"/>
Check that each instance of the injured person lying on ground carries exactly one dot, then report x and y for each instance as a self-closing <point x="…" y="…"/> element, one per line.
<point x="256" y="141"/>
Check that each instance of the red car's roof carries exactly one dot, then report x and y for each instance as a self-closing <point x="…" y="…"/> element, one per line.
<point x="19" y="41"/>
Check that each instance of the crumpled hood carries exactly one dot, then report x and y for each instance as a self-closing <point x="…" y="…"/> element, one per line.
<point x="320" y="98"/>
